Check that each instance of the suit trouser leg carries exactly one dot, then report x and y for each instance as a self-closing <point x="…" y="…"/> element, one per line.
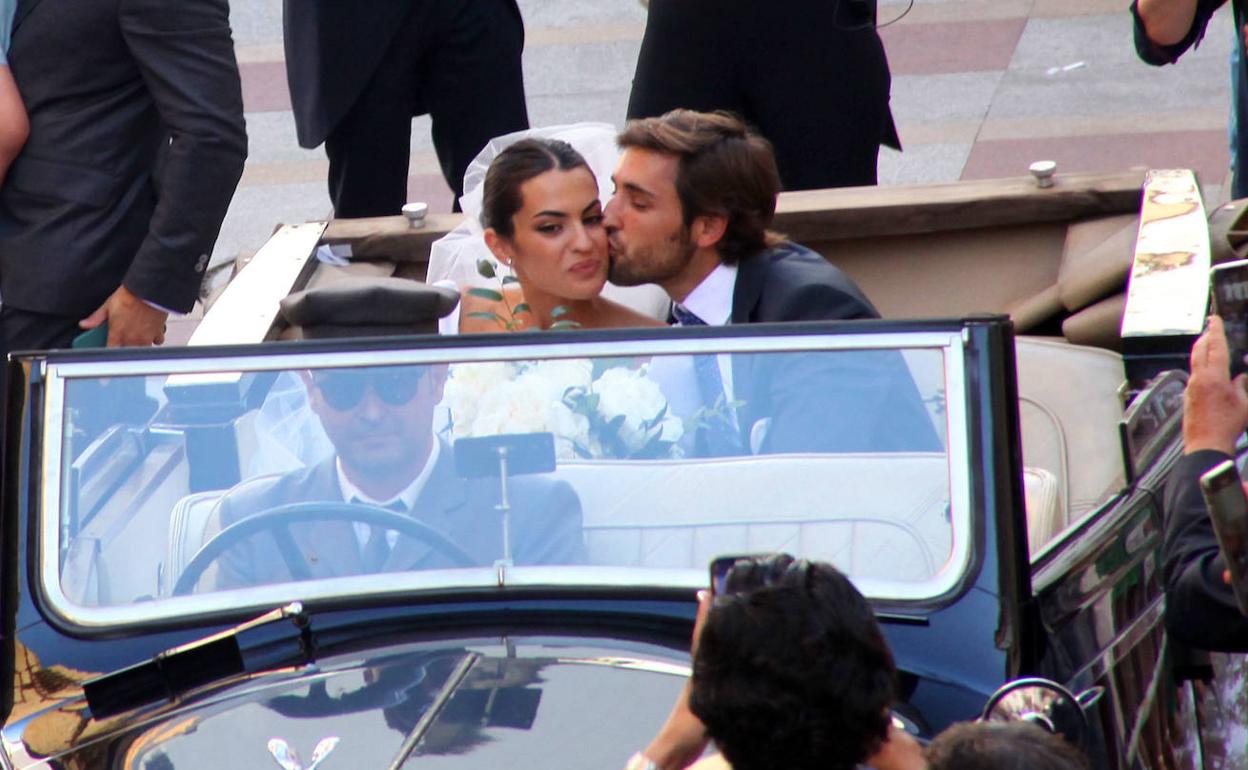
<point x="458" y="61"/>
<point x="26" y="330"/>
<point x="473" y="83"/>
<point x="687" y="59"/>
<point x="370" y="149"/>
<point x="808" y="79"/>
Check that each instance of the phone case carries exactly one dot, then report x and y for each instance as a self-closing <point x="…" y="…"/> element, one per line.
<point x="1229" y="289"/>
<point x="1228" y="510"/>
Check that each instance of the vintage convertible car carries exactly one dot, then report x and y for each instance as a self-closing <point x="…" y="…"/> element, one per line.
<point x="178" y="594"/>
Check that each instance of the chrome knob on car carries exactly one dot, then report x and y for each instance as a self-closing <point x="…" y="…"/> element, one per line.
<point x="415" y="213"/>
<point x="1043" y="171"/>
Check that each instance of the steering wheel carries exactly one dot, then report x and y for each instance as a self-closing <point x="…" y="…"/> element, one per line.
<point x="278" y="520"/>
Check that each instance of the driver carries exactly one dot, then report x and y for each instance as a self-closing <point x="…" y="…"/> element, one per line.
<point x="386" y="454"/>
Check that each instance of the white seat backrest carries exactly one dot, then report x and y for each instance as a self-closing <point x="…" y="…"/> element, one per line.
<point x="1046" y="511"/>
<point x="874" y="515"/>
<point x="187" y="522"/>
<point x="1069" y="409"/>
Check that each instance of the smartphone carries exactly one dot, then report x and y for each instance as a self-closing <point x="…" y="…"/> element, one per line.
<point x="1228" y="286"/>
<point x="1228" y="510"/>
<point x="92" y="338"/>
<point x="722" y="565"/>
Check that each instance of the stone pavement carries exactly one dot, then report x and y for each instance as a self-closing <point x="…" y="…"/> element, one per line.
<point x="981" y="88"/>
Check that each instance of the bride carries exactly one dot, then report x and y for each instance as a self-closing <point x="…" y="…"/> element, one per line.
<point x="538" y="257"/>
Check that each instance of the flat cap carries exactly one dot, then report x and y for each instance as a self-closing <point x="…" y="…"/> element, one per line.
<point x="368" y="307"/>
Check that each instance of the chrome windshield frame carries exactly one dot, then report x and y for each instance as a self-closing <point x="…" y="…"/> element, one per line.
<point x="210" y="366"/>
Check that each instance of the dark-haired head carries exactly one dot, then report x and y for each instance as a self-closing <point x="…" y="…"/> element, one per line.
<point x="515" y="165"/>
<point x="1002" y="746"/>
<point x="724" y="169"/>
<point x="792" y="671"/>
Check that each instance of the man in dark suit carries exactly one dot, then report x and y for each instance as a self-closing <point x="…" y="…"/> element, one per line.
<point x="360" y="71"/>
<point x="811" y="75"/>
<point x="137" y="143"/>
<point x="380" y="422"/>
<point x="1200" y="606"/>
<point x="694" y="196"/>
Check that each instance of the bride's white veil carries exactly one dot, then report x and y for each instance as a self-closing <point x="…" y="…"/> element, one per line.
<point x="454" y="256"/>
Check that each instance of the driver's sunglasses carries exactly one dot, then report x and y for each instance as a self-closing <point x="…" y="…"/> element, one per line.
<point x="344" y="389"/>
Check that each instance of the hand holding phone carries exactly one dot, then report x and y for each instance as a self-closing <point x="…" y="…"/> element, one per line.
<point x="1228" y="511"/>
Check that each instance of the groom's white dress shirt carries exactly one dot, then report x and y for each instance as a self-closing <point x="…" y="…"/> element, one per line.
<point x="711" y="301"/>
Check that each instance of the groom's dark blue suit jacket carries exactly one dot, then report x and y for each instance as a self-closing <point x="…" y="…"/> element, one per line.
<point x="819" y="402"/>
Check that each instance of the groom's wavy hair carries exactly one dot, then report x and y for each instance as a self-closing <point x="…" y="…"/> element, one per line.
<point x="725" y="169"/>
<point x="515" y="165"/>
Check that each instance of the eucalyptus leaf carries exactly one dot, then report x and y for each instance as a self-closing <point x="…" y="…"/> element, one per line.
<point x="486" y="316"/>
<point x="559" y="310"/>
<point x="653" y="421"/>
<point x="489" y="294"/>
<point x="523" y="307"/>
<point x="565" y="325"/>
<point x="509" y="280"/>
<point x="485" y="268"/>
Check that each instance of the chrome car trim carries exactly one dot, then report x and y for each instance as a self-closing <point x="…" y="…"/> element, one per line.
<point x="442" y="582"/>
<point x="247" y="308"/>
<point x="632" y="664"/>
<point x="275" y="358"/>
<point x="1149" y="619"/>
<point x="287" y="757"/>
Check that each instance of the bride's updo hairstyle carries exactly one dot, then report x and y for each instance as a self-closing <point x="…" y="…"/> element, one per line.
<point x="520" y="162"/>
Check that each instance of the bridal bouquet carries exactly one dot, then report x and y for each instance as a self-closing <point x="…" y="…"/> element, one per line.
<point x="612" y="412"/>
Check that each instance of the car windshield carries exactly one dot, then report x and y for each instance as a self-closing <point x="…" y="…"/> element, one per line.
<point x="193" y="484"/>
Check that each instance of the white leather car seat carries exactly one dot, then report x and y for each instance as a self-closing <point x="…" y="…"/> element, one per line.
<point x="1069" y="410"/>
<point x="682" y="513"/>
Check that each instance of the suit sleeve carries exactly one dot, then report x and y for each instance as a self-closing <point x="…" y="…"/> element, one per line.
<point x="1156" y="54"/>
<point x="849" y="401"/>
<point x="1200" y="607"/>
<point x="185" y="54"/>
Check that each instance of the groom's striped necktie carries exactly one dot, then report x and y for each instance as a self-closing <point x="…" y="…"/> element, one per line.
<point x="719" y="436"/>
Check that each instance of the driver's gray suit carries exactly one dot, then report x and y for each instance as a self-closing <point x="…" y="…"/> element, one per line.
<point x="545" y="525"/>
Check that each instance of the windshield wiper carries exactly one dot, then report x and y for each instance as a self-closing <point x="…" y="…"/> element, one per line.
<point x="204" y="661"/>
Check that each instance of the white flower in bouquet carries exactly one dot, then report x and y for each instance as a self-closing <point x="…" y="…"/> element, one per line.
<point x="561" y="375"/>
<point x="511" y="407"/>
<point x="467" y="385"/>
<point x="571" y="430"/>
<point x="530" y="403"/>
<point x="630" y="394"/>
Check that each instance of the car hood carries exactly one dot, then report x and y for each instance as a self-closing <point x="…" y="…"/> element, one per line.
<point x="478" y="703"/>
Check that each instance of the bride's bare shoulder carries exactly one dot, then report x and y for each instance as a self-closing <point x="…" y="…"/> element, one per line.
<point x="482" y="315"/>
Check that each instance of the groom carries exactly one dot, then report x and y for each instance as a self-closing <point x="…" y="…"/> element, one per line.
<point x="694" y="195"/>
